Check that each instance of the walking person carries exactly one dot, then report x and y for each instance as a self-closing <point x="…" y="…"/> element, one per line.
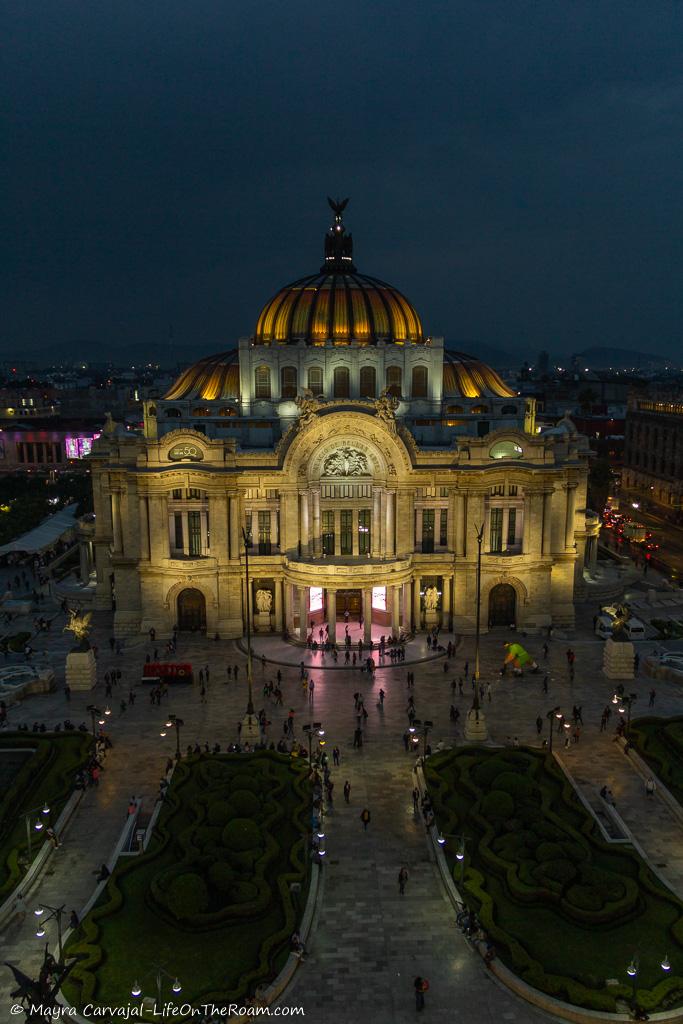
<point x="347" y="791"/>
<point x="539" y="725"/>
<point x="650" y="787"/>
<point x="416" y="800"/>
<point x="336" y="757"/>
<point x="651" y="701"/>
<point x="365" y="818"/>
<point x="402" y="879"/>
<point x="420" y="985"/>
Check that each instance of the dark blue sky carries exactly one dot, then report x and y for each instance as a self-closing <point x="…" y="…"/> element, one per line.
<point x="514" y="167"/>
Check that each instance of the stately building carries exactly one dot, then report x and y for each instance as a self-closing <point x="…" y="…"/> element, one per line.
<point x="360" y="459"/>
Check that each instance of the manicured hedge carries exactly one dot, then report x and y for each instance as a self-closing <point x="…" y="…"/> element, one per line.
<point x="48" y="776"/>
<point x="659" y="741"/>
<point x="564" y="909"/>
<point x="211" y="896"/>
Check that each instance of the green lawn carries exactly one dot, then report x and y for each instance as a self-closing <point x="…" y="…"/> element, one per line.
<point x="564" y="909"/>
<point x="40" y="768"/>
<point x="659" y="741"/>
<point x="210" y="899"/>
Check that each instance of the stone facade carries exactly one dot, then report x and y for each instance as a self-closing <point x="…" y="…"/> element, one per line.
<point x="364" y="502"/>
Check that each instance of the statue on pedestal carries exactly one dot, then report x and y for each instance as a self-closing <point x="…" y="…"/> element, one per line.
<point x="264" y="601"/>
<point x="79" y="625"/>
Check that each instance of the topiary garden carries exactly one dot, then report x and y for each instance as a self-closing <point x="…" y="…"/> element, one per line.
<point x="565" y="910"/>
<point x="211" y="898"/>
<point x="659" y="741"/>
<point x="42" y="770"/>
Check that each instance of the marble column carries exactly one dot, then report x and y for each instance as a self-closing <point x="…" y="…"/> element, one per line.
<point x="395" y="612"/>
<point x="383" y="542"/>
<point x="367" y="616"/>
<point x="446" y="604"/>
<point x="391" y="527"/>
<point x="158" y="528"/>
<point x="116" y="522"/>
<point x="289" y="607"/>
<point x="417" y="610"/>
<point x="376" y="534"/>
<point x="304" y="528"/>
<point x="571" y="511"/>
<point x="144" y="529"/>
<point x="234" y="527"/>
<point x="332" y="615"/>
<point x="317" y="536"/>
<point x="278" y="605"/>
<point x="84" y="561"/>
<point x="460" y="532"/>
<point x="354" y="534"/>
<point x="417" y="539"/>
<point x="218" y="527"/>
<point x="303" y="613"/>
<point x="545" y="537"/>
<point x="526" y="530"/>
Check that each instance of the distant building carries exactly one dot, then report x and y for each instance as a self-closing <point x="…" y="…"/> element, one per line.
<point x="653" y="457"/>
<point x="361" y="459"/>
<point x="30" y="444"/>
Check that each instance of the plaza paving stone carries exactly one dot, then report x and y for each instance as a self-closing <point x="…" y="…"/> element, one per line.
<point x="368" y="942"/>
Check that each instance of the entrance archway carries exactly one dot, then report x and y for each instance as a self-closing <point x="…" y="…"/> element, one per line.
<point x="349" y="601"/>
<point x="191" y="610"/>
<point x="502" y="605"/>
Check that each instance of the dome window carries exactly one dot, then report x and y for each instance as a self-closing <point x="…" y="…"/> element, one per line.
<point x="262" y="383"/>
<point x="509" y="410"/>
<point x="368" y="382"/>
<point x="506" y="450"/>
<point x="315" y="380"/>
<point x="288" y="382"/>
<point x="173" y="414"/>
<point x="394" y="380"/>
<point x="454" y="409"/>
<point x="419" y="384"/>
<point x="201" y="411"/>
<point x="341" y="382"/>
<point x="479" y="410"/>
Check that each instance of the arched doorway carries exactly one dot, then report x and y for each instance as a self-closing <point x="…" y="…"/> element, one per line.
<point x="502" y="605"/>
<point x="191" y="610"/>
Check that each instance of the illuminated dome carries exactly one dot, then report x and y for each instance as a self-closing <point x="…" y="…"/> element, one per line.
<point x="467" y="377"/>
<point x="212" y="378"/>
<point x="338" y="304"/>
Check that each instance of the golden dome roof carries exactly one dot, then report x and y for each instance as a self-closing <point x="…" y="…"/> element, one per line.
<point x="338" y="307"/>
<point x="465" y="376"/>
<point x="338" y="304"/>
<point x="213" y="377"/>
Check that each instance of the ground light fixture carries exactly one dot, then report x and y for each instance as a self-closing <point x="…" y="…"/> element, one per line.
<point x="665" y="965"/>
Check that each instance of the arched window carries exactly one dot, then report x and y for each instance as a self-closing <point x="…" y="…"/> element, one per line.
<point x="315" y="380"/>
<point x="226" y="410"/>
<point x="262" y="383"/>
<point x="477" y="410"/>
<point x="394" y="381"/>
<point x="173" y="414"/>
<point x="288" y="382"/>
<point x="201" y="411"/>
<point x="455" y="408"/>
<point x="418" y="387"/>
<point x="506" y="450"/>
<point x="368" y="382"/>
<point x="341" y="382"/>
<point x="509" y="410"/>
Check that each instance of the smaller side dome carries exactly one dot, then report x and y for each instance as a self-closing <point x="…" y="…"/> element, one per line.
<point x="212" y="378"/>
<point x="464" y="376"/>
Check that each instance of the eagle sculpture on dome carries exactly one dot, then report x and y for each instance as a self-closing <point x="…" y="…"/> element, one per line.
<point x="338" y="206"/>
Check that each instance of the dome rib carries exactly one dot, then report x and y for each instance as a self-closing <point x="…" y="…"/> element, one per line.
<point x="465" y="376"/>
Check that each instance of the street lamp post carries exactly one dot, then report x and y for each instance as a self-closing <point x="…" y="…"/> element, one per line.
<point x="309" y="728"/>
<point x="475" y="724"/>
<point x="551" y="715"/>
<point x="250" y="727"/>
<point x="159" y="974"/>
<point x="95" y="712"/>
<point x="626" y="702"/>
<point x="173" y="722"/>
<point x="56" y="914"/>
<point x="460" y="855"/>
<point x="38" y="826"/>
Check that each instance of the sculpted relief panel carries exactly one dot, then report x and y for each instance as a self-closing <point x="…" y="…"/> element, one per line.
<point x="346" y="462"/>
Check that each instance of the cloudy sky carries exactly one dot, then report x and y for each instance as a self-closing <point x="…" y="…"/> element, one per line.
<point x="515" y="168"/>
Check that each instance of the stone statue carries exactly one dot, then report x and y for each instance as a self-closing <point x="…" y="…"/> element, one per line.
<point x="309" y="406"/>
<point x="385" y="409"/>
<point x="431" y="599"/>
<point x="264" y="601"/>
<point x="79" y="625"/>
<point x="38" y="997"/>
